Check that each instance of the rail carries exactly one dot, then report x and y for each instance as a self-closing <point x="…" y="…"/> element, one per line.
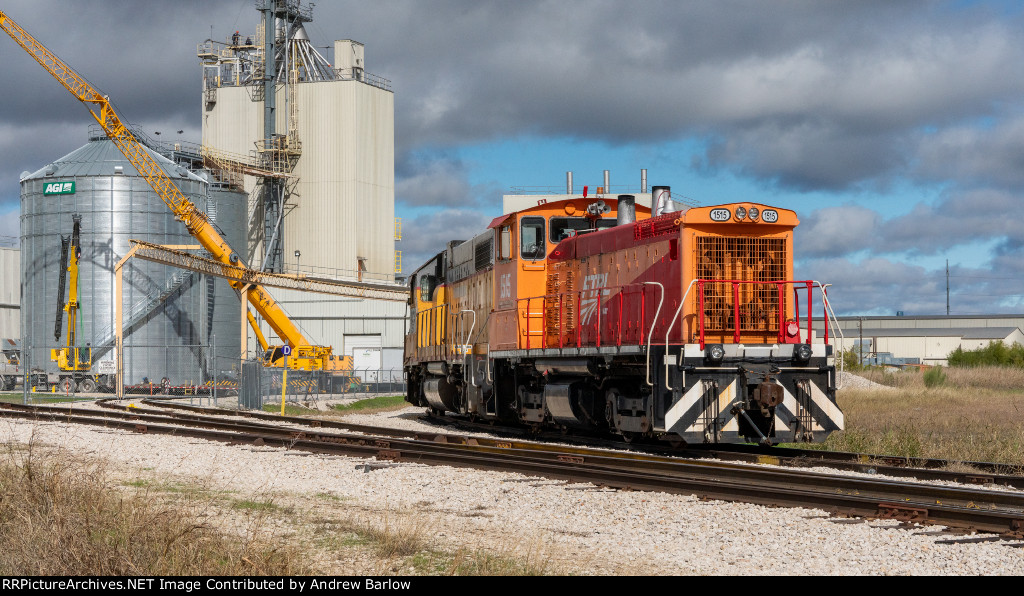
<point x="575" y="311"/>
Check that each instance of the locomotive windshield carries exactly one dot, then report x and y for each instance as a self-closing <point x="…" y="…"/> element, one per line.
<point x="533" y="246"/>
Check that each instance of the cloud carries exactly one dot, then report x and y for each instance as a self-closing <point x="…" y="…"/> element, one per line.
<point x="427" y="234"/>
<point x="960" y="217"/>
<point x="836" y="231"/>
<point x="980" y="154"/>
<point x="436" y="182"/>
<point x="876" y="286"/>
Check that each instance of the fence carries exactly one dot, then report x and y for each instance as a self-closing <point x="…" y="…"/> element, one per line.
<point x="259" y="385"/>
<point x="202" y="373"/>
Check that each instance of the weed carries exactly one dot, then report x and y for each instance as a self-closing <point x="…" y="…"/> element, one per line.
<point x="250" y="505"/>
<point x="934" y="377"/>
<point x="374" y="404"/>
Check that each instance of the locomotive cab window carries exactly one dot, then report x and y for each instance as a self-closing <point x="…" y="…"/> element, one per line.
<point x="531" y="232"/>
<point x="427" y="285"/>
<point x="505" y="242"/>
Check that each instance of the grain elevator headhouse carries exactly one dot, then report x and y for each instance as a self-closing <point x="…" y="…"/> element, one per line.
<point x="310" y="139"/>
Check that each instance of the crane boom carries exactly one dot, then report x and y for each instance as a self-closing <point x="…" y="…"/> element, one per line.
<point x="197" y="223"/>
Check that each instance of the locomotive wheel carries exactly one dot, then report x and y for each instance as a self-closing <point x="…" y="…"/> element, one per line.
<point x="629" y="437"/>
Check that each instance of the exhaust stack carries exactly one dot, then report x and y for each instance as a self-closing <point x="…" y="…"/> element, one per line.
<point x="625" y="210"/>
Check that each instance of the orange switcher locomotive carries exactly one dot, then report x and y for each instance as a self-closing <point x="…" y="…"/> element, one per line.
<point x="684" y="326"/>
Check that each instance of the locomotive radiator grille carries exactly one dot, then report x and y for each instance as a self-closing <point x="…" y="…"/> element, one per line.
<point x="741" y="259"/>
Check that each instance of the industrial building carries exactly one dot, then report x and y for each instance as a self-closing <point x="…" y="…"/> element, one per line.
<point x="312" y="145"/>
<point x="295" y="177"/>
<point x="926" y="340"/>
<point x="10" y="292"/>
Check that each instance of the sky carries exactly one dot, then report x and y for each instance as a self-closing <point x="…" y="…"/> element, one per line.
<point x="895" y="129"/>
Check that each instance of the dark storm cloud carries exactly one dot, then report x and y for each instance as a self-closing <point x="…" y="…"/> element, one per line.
<point x="806" y="95"/>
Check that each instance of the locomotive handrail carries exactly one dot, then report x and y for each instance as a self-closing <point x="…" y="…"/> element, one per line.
<point x="578" y="298"/>
<point x="737" y="331"/>
<point x="673" y="324"/>
<point x="828" y="314"/>
<point x="468" y="368"/>
<point x="654" y="322"/>
<point x="838" y="332"/>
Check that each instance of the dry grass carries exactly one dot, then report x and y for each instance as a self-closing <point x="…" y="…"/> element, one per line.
<point x="974" y="415"/>
<point x="60" y="516"/>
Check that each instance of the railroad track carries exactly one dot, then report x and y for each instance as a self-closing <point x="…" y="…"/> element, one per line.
<point x="982" y="473"/>
<point x="965" y="508"/>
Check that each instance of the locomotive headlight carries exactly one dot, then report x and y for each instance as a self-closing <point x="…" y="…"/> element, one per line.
<point x="714" y="353"/>
<point x="802" y="352"/>
<point x="741" y="213"/>
<point x="753" y="213"/>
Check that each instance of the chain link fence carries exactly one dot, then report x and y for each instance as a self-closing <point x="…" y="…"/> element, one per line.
<point x="57" y="373"/>
<point x="260" y="385"/>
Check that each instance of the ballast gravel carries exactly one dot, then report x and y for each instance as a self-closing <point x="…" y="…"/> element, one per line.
<point x="578" y="528"/>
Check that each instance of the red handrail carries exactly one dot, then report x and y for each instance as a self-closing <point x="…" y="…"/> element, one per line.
<point x="600" y="338"/>
<point x="779" y="284"/>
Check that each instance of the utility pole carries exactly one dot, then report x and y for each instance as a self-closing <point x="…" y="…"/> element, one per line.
<point x="860" y="325"/>
<point x="947" y="287"/>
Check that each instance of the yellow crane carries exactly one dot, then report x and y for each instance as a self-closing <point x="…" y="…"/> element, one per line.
<point x="70" y="358"/>
<point x="303" y="355"/>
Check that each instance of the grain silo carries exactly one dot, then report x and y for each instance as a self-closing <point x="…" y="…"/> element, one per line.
<point x="168" y="319"/>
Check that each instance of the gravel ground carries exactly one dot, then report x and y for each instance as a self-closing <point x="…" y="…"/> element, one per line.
<point x="573" y="528"/>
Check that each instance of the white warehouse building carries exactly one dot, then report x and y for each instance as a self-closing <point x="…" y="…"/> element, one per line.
<point x="925" y="339"/>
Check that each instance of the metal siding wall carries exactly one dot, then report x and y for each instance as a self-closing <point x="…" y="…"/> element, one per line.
<point x="344" y="201"/>
<point x="327" y="319"/>
<point x="10" y="293"/>
<point x="113" y="209"/>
